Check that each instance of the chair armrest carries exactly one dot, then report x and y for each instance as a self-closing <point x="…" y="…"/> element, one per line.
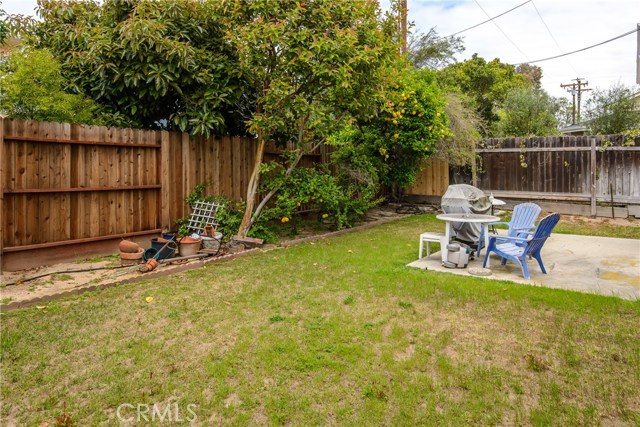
<point x="525" y="229"/>
<point x="509" y="239"/>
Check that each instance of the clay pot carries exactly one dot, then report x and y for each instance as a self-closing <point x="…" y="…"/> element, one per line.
<point x="189" y="246"/>
<point x="127" y="246"/>
<point x="151" y="264"/>
<point x="189" y="240"/>
<point x="132" y="256"/>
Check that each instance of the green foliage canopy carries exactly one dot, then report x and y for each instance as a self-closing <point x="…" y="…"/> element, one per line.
<point x="429" y="50"/>
<point x="411" y="122"/>
<point x="613" y="110"/>
<point x="32" y="87"/>
<point x="312" y="64"/>
<point x="149" y="64"/>
<point x="485" y="83"/>
<point x="527" y="111"/>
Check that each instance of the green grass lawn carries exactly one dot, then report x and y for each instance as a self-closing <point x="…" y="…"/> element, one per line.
<point x="336" y="332"/>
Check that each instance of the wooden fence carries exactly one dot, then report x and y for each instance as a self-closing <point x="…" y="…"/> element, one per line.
<point x="64" y="184"/>
<point x="432" y="180"/>
<point x="588" y="169"/>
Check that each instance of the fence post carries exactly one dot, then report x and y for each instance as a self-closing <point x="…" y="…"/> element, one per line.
<point x="2" y="172"/>
<point x="164" y="171"/>
<point x="474" y="168"/>
<point x="593" y="177"/>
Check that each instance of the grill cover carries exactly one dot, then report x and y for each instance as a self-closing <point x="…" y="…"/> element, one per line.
<point x="464" y="198"/>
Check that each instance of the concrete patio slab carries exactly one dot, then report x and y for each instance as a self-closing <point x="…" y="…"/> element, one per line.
<point x="601" y="265"/>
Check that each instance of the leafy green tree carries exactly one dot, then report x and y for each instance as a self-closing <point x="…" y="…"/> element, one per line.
<point x="485" y="83"/>
<point x="564" y="111"/>
<point x="533" y="74"/>
<point x="4" y="27"/>
<point x="457" y="145"/>
<point x="314" y="65"/>
<point x="32" y="87"/>
<point x="432" y="51"/>
<point x="527" y="112"/>
<point x="411" y="122"/>
<point x="613" y="110"/>
<point x="149" y="64"/>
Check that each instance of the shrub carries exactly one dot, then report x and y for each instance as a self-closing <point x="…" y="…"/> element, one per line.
<point x="343" y="197"/>
<point x="32" y="87"/>
<point x="406" y="130"/>
<point x="228" y="217"/>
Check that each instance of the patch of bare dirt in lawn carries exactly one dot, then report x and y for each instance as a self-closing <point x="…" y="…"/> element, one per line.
<point x="61" y="278"/>
<point x="406" y="354"/>
<point x="623" y="222"/>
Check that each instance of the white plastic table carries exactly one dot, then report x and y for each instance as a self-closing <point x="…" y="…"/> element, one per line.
<point x="464" y="217"/>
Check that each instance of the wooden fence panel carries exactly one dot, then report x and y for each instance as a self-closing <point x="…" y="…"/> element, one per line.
<point x="560" y="168"/>
<point x="58" y="188"/>
<point x="67" y="184"/>
<point x="432" y="180"/>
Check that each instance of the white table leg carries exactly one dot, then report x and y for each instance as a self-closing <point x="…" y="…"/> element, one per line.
<point x="447" y="239"/>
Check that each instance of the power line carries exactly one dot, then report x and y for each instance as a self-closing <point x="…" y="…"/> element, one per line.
<point x="503" y="33"/>
<point x="490" y="19"/>
<point x="580" y="50"/>
<point x="551" y="34"/>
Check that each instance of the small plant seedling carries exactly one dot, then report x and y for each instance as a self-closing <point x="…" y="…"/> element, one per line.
<point x="535" y="363"/>
<point x="64" y="420"/>
<point x="277" y="318"/>
<point x="349" y="300"/>
<point x="404" y="304"/>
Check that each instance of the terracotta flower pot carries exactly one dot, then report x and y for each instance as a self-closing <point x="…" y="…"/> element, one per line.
<point x="127" y="246"/>
<point x="188" y="239"/>
<point x="132" y="256"/>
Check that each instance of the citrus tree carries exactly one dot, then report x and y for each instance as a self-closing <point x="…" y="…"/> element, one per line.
<point x="411" y="122"/>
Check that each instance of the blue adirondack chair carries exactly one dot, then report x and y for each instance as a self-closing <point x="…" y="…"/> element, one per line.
<point x="522" y="221"/>
<point x="517" y="248"/>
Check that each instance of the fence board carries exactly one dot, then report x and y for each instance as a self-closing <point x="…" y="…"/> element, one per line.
<point x="432" y="180"/>
<point x="63" y="183"/>
<point x="562" y="165"/>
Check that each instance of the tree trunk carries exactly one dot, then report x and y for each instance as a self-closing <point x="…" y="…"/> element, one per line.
<point x="270" y="194"/>
<point x="252" y="188"/>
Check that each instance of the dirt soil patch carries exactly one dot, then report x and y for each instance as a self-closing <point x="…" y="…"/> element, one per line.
<point x="60" y="278"/>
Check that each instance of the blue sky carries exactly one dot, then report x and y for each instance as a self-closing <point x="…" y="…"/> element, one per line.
<point x="573" y="23"/>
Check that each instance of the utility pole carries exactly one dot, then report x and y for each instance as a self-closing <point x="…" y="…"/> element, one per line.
<point x="403" y="25"/>
<point x="576" y="90"/>
<point x="638" y="57"/>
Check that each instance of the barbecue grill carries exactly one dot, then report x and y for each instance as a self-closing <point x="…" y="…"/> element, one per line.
<point x="464" y="198"/>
